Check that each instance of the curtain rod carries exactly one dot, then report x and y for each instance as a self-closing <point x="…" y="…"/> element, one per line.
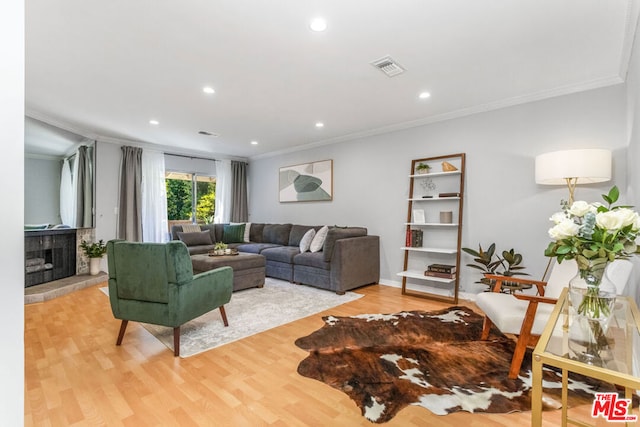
<point x="196" y="157"/>
<point x="188" y="157"/>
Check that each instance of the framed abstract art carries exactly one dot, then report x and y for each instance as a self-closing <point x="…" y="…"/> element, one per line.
<point x="307" y="182"/>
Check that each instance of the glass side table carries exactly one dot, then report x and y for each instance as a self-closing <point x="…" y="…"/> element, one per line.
<point x="553" y="349"/>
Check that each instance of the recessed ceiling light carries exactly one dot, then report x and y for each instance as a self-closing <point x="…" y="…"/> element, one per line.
<point x="254" y="142"/>
<point x="208" y="89"/>
<point x="424" y="95"/>
<point x="318" y="24"/>
<point x="154" y="122"/>
<point x="319" y="125"/>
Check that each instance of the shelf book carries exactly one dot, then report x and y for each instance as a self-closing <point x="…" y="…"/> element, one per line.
<point x="444" y="271"/>
<point x="440" y="275"/>
<point x="441" y="268"/>
<point x="414" y="238"/>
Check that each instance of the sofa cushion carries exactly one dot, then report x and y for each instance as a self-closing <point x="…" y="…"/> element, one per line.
<point x="254" y="248"/>
<point x="200" y="249"/>
<point x="336" y="233"/>
<point x="255" y="232"/>
<point x="318" y="240"/>
<point x="233" y="233"/>
<point x="305" y="242"/>
<point x="175" y="229"/>
<point x="276" y="233"/>
<point x="297" y="233"/>
<point x="282" y="254"/>
<point x="195" y="238"/>
<point x="312" y="259"/>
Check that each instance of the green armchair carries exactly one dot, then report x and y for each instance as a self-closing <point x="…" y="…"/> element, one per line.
<point x="154" y="283"/>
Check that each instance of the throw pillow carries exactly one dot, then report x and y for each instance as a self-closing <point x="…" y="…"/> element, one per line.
<point x="247" y="230"/>
<point x="195" y="239"/>
<point x="318" y="241"/>
<point x="191" y="228"/>
<point x="305" y="242"/>
<point x="36" y="226"/>
<point x="233" y="233"/>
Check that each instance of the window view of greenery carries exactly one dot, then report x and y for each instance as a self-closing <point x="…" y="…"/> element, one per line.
<point x="184" y="190"/>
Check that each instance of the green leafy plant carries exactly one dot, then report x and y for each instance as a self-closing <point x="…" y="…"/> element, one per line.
<point x="488" y="261"/>
<point x="423" y="167"/>
<point x="94" y="250"/>
<point x="220" y="246"/>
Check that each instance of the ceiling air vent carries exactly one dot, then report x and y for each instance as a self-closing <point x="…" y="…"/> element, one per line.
<point x="388" y="66"/>
<point x="205" y="133"/>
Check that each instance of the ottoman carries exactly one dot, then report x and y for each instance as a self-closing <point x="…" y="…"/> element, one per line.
<point x="248" y="269"/>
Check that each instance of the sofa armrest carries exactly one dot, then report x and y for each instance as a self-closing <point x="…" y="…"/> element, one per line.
<point x="208" y="290"/>
<point x="337" y="233"/>
<point x="355" y="262"/>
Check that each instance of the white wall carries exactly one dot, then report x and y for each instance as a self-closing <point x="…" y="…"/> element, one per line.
<point x="42" y="190"/>
<point x="633" y="134"/>
<point x="503" y="204"/>
<point x="12" y="195"/>
<point x="107" y="181"/>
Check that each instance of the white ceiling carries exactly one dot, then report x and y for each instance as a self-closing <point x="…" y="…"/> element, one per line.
<point x="105" y="68"/>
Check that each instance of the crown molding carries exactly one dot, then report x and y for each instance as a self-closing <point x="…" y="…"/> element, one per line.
<point x="166" y="149"/>
<point x="463" y="112"/>
<point x="630" y="35"/>
<point x="123" y="141"/>
<point x="42" y="156"/>
<point x="37" y="115"/>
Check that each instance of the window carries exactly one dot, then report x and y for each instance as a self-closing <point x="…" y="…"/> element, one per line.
<point x="189" y="196"/>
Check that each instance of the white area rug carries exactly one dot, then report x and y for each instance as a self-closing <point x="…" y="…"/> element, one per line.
<point x="249" y="312"/>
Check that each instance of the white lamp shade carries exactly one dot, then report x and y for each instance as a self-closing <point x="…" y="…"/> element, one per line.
<point x="585" y="166"/>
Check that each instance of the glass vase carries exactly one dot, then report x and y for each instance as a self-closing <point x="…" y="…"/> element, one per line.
<point x="591" y="293"/>
<point x="592" y="297"/>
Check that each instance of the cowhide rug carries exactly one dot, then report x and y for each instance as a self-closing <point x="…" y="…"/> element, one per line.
<point x="385" y="362"/>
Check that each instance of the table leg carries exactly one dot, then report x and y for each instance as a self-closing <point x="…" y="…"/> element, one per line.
<point x="536" y="392"/>
<point x="565" y="393"/>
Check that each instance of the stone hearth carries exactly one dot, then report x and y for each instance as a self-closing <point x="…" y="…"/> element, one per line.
<point x="60" y="287"/>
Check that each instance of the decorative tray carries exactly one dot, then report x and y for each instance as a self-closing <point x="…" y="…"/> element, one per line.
<point x="233" y="252"/>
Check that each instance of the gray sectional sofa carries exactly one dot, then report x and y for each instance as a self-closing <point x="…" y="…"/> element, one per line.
<point x="349" y="258"/>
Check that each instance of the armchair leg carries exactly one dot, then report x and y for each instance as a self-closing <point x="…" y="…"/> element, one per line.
<point x="524" y="339"/>
<point x="123" y="327"/>
<point x="176" y="341"/>
<point x="518" y="355"/>
<point x="224" y="315"/>
<point x="486" y="328"/>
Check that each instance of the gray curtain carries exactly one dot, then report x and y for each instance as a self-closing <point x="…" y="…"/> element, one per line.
<point x="130" y="218"/>
<point x="239" y="208"/>
<point x="84" y="185"/>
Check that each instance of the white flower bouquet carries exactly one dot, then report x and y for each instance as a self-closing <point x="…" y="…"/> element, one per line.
<point x="594" y="234"/>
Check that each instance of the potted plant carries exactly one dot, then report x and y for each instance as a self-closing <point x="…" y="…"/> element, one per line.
<point x="94" y="251"/>
<point x="507" y="265"/>
<point x="219" y="248"/>
<point x="423" y="168"/>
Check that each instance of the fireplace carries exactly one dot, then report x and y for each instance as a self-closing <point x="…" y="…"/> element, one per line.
<point x="49" y="255"/>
